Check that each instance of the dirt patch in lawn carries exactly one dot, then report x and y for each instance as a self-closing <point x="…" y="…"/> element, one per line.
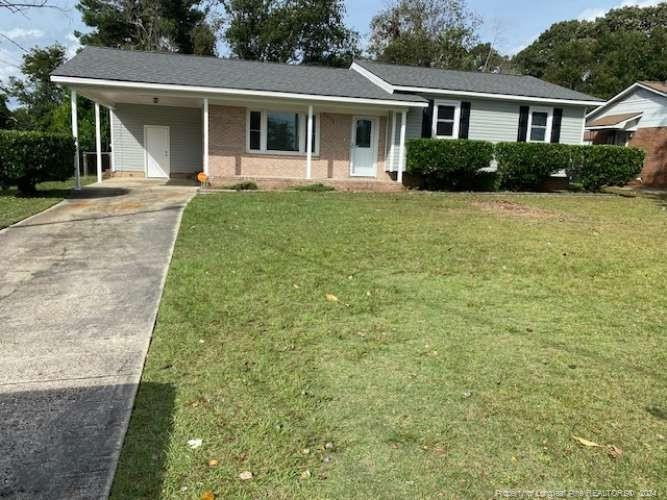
<point x="516" y="209"/>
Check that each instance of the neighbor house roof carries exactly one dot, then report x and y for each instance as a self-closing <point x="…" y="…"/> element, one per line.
<point x="612" y="120"/>
<point x="212" y="72"/>
<point x="412" y="77"/>
<point x="657" y="86"/>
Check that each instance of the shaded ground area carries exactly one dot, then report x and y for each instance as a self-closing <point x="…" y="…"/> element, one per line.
<point x="79" y="289"/>
<point x="407" y="346"/>
<point x="15" y="206"/>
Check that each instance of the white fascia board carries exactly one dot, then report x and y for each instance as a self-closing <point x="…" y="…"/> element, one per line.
<point x="504" y="97"/>
<point x="95" y="82"/>
<point x="387" y="87"/>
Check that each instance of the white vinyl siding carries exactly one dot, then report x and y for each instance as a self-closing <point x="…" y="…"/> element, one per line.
<point x="185" y="127"/>
<point x="498" y="121"/>
<point x="652" y="106"/>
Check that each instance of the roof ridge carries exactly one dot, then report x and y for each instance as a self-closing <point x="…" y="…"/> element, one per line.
<point x="414" y="66"/>
<point x="212" y="57"/>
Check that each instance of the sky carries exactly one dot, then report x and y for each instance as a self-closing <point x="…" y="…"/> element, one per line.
<point x="512" y="24"/>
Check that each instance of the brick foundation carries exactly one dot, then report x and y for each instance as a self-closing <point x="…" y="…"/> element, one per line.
<point x="276" y="184"/>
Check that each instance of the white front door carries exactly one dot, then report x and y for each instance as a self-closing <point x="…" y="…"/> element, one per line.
<point x="156" y="142"/>
<point x="364" y="147"/>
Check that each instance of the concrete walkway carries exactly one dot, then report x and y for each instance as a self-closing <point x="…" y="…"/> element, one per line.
<point x="79" y="289"/>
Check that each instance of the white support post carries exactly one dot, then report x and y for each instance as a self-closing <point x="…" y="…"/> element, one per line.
<point x="98" y="143"/>
<point x="309" y="144"/>
<point x="205" y="131"/>
<point x="75" y="135"/>
<point x="401" y="159"/>
<point x="392" y="143"/>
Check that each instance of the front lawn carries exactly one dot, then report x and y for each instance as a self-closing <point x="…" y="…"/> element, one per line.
<point x="405" y="346"/>
<point x="15" y="207"/>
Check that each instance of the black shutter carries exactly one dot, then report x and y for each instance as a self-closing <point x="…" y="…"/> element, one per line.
<point x="427" y="120"/>
<point x="523" y="124"/>
<point x="555" y="124"/>
<point x="464" y="121"/>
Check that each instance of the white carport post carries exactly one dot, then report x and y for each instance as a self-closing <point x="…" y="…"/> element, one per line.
<point x="205" y="132"/>
<point x="401" y="148"/>
<point x="392" y="142"/>
<point x="98" y="143"/>
<point x="75" y="135"/>
<point x="309" y="144"/>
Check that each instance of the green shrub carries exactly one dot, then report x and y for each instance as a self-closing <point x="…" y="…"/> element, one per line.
<point x="27" y="158"/>
<point x="451" y="164"/>
<point x="593" y="167"/>
<point x="315" y="188"/>
<point x="243" y="186"/>
<point x="524" y="166"/>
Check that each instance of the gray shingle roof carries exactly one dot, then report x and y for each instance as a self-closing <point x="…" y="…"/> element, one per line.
<point x="471" y="81"/>
<point x="175" y="69"/>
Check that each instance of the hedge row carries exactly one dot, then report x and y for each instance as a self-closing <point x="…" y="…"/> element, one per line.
<point x="27" y="158"/>
<point x="456" y="164"/>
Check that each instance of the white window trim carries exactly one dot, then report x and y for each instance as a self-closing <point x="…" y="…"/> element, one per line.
<point x="455" y="125"/>
<point x="303" y="125"/>
<point x="547" y="132"/>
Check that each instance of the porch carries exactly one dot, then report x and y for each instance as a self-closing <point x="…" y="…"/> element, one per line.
<point x="272" y="141"/>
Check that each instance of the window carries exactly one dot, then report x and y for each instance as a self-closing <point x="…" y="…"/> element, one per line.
<point x="446" y="119"/>
<point x="255" y="131"/>
<point x="280" y="132"/>
<point x="539" y="124"/>
<point x="363" y="134"/>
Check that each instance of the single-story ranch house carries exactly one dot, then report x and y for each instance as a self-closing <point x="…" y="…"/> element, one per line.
<point x="174" y="115"/>
<point x="637" y="117"/>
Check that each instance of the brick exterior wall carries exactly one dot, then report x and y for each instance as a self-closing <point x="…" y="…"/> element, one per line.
<point x="228" y="156"/>
<point x="653" y="140"/>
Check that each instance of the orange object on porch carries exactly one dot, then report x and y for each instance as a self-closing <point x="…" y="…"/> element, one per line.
<point x="202" y="177"/>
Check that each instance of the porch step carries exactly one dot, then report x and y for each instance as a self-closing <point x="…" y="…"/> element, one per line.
<point x="283" y="183"/>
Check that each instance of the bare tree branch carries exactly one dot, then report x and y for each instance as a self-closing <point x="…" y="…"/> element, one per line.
<point x="16" y="7"/>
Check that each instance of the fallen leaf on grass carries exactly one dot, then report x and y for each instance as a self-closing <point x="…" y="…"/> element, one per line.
<point x="331" y="297"/>
<point x="612" y="451"/>
<point x="586" y="442"/>
<point x="305" y="474"/>
<point x="194" y="443"/>
<point x="208" y="495"/>
<point x="213" y="462"/>
<point x="245" y="475"/>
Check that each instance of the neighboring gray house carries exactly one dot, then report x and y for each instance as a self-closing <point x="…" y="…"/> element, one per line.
<point x="637" y="117"/>
<point x="177" y="115"/>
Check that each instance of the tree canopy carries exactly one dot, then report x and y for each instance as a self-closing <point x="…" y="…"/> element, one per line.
<point x="302" y="31"/>
<point x="604" y="56"/>
<point x="437" y="33"/>
<point x="169" y="25"/>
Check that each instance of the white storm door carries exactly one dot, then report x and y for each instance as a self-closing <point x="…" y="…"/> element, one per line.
<point x="364" y="147"/>
<point x="156" y="142"/>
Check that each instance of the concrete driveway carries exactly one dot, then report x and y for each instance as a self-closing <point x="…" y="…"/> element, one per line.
<point x="80" y="286"/>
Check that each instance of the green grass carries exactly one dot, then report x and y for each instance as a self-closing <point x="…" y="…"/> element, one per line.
<point x="470" y="342"/>
<point x="15" y="207"/>
<point x="315" y="188"/>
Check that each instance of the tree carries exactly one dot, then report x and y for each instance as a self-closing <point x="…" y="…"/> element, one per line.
<point x="45" y="106"/>
<point x="604" y="56"/>
<point x="5" y="114"/>
<point x="438" y="33"/>
<point x="305" y="31"/>
<point x="35" y="92"/>
<point x="169" y="25"/>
